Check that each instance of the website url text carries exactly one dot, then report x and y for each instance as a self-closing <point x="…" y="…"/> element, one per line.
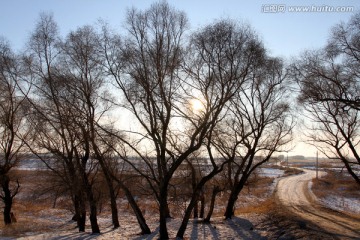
<point x="282" y="8"/>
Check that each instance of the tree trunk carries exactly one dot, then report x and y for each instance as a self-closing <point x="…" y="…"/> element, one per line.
<point x="182" y="228"/>
<point x="350" y="170"/>
<point x="89" y="191"/>
<point x="167" y="210"/>
<point x="113" y="205"/>
<point x="7" y="199"/>
<point x="198" y="190"/>
<point x="93" y="217"/>
<point x="139" y="216"/>
<point x="193" y="185"/>
<point x="92" y="204"/>
<point x="235" y="191"/>
<point x="93" y="209"/>
<point x="215" y="191"/>
<point x="196" y="210"/>
<point x="109" y="182"/>
<point x="164" y="212"/>
<point x="114" y="209"/>
<point x="202" y="204"/>
<point x="193" y="201"/>
<point x="80" y="213"/>
<point x="230" y="207"/>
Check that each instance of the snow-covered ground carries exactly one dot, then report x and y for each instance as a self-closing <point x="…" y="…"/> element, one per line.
<point x="271" y="172"/>
<point x="57" y="225"/>
<point x="236" y="228"/>
<point x="341" y="203"/>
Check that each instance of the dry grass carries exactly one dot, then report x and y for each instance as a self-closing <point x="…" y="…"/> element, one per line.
<point x="32" y="217"/>
<point x="257" y="197"/>
<point x="264" y="206"/>
<point x="34" y="213"/>
<point x="292" y="171"/>
<point x="335" y="183"/>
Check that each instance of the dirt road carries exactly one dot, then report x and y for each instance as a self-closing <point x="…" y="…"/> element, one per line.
<point x="293" y="192"/>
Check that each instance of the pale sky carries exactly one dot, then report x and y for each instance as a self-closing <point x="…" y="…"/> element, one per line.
<point x="285" y="33"/>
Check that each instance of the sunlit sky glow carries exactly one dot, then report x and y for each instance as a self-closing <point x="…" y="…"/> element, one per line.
<point x="197" y="105"/>
<point x="285" y="34"/>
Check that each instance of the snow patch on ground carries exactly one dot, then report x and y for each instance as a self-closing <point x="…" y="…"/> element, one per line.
<point x="341" y="203"/>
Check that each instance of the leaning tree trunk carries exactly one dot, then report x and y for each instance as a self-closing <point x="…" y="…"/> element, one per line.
<point x="193" y="201"/>
<point x="215" y="191"/>
<point x="139" y="216"/>
<point x="182" y="228"/>
<point x="196" y="210"/>
<point x="235" y="191"/>
<point x="349" y="169"/>
<point x="199" y="188"/>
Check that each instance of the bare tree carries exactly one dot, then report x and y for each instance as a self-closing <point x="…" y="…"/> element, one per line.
<point x="112" y="59"/>
<point x="69" y="104"/>
<point x="51" y="122"/>
<point x="222" y="57"/>
<point x="329" y="87"/>
<point x="156" y="93"/>
<point x="13" y="129"/>
<point x="80" y="62"/>
<point x="259" y="123"/>
<point x="150" y="87"/>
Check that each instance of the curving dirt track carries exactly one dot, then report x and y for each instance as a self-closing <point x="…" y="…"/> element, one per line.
<point x="293" y="193"/>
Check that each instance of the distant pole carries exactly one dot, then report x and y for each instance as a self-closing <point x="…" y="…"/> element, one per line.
<point x="317" y="163"/>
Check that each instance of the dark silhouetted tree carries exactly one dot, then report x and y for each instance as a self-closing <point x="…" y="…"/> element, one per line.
<point x="329" y="91"/>
<point x="13" y="128"/>
<point x="259" y="123"/>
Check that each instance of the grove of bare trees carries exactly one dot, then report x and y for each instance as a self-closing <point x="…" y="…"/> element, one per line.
<point x="211" y="105"/>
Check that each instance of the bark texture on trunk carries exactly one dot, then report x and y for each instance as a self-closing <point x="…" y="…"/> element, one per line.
<point x="93" y="210"/>
<point x="182" y="228"/>
<point x="164" y="214"/>
<point x="7" y="198"/>
<point x="235" y="191"/>
<point x="114" y="209"/>
<point x="137" y="211"/>
<point x="112" y="194"/>
<point x="215" y="191"/>
<point x="80" y="213"/>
